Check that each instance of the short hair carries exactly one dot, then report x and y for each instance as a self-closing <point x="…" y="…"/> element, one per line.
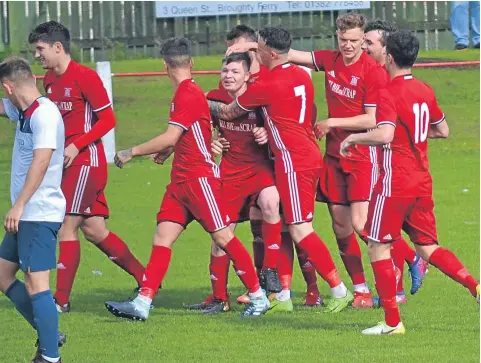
<point x="16" y="69"/>
<point x="350" y="21"/>
<point x="177" y="52"/>
<point x="276" y="38"/>
<point x="51" y="32"/>
<point x="403" y="46"/>
<point x="238" y="57"/>
<point x="384" y="27"/>
<point x="242" y="31"/>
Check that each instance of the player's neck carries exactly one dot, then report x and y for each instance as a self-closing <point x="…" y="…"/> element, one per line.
<point x="277" y="62"/>
<point x="178" y="76"/>
<point x="352" y="60"/>
<point x="255" y="66"/>
<point x="396" y="72"/>
<point x="62" y="65"/>
<point x="239" y="92"/>
<point x="26" y="96"/>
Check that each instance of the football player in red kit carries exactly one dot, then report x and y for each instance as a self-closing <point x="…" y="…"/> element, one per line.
<point x="88" y="115"/>
<point x="407" y="115"/>
<point x="194" y="192"/>
<point x="286" y="96"/>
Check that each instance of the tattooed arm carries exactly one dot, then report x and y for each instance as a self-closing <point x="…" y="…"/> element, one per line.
<point x="228" y="112"/>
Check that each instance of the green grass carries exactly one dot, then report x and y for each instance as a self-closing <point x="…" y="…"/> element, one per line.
<point x="442" y="320"/>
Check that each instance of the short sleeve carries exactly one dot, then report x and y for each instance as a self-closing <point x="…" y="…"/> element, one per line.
<point x="375" y="80"/>
<point x="45" y="127"/>
<point x="10" y="110"/>
<point x="256" y="95"/>
<point x="386" y="112"/>
<point x="436" y="114"/>
<point x="181" y="114"/>
<point x="320" y="58"/>
<point x="94" y="91"/>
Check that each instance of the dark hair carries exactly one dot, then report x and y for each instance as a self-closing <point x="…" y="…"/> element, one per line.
<point x="16" y="69"/>
<point x="242" y="31"/>
<point x="238" y="57"/>
<point x="350" y="21"/>
<point x="276" y="38"/>
<point x="177" y="52"/>
<point x="382" y="26"/>
<point x="403" y="46"/>
<point x="51" y="32"/>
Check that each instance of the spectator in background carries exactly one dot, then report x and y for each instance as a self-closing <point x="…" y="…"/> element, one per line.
<point x="460" y="23"/>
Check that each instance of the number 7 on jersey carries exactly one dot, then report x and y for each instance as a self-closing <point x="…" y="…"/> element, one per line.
<point x="300" y="91"/>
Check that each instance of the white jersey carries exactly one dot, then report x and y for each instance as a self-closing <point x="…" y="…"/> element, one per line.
<point x="40" y="126"/>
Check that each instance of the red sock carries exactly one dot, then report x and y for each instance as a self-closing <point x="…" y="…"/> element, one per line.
<point x="308" y="271"/>
<point x="219" y="272"/>
<point x="351" y="256"/>
<point x="68" y="262"/>
<point x="386" y="289"/>
<point x="155" y="270"/>
<point x="243" y="264"/>
<point x="449" y="264"/>
<point x="397" y="256"/>
<point x="406" y="250"/>
<point x="271" y="234"/>
<point x="321" y="259"/>
<point x="286" y="260"/>
<point x="118" y="252"/>
<point x="257" y="244"/>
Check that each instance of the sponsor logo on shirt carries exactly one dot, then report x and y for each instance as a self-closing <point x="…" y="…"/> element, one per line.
<point x="234" y="126"/>
<point x="343" y="91"/>
<point x="64" y="105"/>
<point x="67" y="92"/>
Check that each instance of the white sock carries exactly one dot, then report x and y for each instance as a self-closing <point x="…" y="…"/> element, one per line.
<point x="361" y="288"/>
<point x="339" y="291"/>
<point x="256" y="294"/>
<point x="48" y="359"/>
<point x="284" y="295"/>
<point x="143" y="301"/>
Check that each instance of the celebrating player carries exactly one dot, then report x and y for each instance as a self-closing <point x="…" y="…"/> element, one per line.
<point x="286" y="96"/>
<point x="375" y="46"/>
<point x="408" y="114"/>
<point x="38" y="205"/>
<point x="237" y="37"/>
<point x="194" y="191"/>
<point x="88" y="115"/>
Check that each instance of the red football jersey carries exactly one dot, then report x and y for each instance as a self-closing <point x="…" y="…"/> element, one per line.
<point x="349" y="89"/>
<point x="244" y="152"/>
<point x="190" y="111"/>
<point x="411" y="106"/>
<point x="79" y="93"/>
<point x="287" y="96"/>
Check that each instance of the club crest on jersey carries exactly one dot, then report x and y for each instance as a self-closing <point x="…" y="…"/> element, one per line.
<point x="252" y="116"/>
<point x="67" y="92"/>
<point x="354" y="80"/>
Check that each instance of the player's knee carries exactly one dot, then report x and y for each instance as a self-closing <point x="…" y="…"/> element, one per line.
<point x="222" y="237"/>
<point x="341" y="228"/>
<point x="36" y="282"/>
<point x="358" y="225"/>
<point x="93" y="234"/>
<point x="425" y="251"/>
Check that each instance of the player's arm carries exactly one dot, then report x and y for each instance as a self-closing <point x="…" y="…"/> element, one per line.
<point x="381" y="135"/>
<point x="228" y="112"/>
<point x="302" y="58"/>
<point x="7" y="109"/>
<point x="158" y="144"/>
<point x="161" y="157"/>
<point x="438" y="128"/>
<point x="362" y="122"/>
<point x="44" y="143"/>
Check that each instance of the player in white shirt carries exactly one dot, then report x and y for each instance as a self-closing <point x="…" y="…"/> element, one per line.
<point x="38" y="205"/>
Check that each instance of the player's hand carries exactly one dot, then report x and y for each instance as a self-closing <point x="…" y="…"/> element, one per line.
<point x="260" y="135"/>
<point x="321" y="129"/>
<point x="219" y="146"/>
<point x="241" y="47"/>
<point x="345" y="145"/>
<point x="13" y="218"/>
<point x="70" y="154"/>
<point x="123" y="157"/>
<point x="160" y="157"/>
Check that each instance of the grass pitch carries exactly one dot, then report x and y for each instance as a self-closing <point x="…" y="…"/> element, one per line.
<point x="442" y="320"/>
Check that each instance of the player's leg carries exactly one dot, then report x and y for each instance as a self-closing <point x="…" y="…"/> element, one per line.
<point x="138" y="309"/>
<point x="37" y="246"/>
<point x="268" y="202"/>
<point x="68" y="260"/>
<point x="420" y="225"/>
<point x="95" y="230"/>
<point x="313" y="296"/>
<point x="297" y="191"/>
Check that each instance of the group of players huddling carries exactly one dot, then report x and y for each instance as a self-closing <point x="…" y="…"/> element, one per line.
<point x="374" y="175"/>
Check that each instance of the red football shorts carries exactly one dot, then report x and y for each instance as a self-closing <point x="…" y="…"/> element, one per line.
<point x="197" y="199"/>
<point x="83" y="187"/>
<point x="389" y="215"/>
<point x="241" y="193"/>
<point x="297" y="191"/>
<point x="346" y="181"/>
